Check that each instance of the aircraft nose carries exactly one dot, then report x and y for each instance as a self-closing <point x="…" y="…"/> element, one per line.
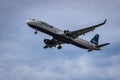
<point x="28" y="22"/>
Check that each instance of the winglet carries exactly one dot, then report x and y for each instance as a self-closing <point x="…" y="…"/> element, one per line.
<point x="105" y="21"/>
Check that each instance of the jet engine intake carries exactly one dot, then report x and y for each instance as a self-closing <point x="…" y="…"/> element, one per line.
<point x="68" y="33"/>
<point x="47" y="41"/>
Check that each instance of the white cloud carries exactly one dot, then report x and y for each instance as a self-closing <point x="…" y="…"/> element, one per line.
<point x="85" y="67"/>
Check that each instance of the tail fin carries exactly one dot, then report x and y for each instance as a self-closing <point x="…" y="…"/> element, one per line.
<point x="95" y="39"/>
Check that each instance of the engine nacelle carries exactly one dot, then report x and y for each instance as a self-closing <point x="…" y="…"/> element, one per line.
<point x="68" y="33"/>
<point x="47" y="41"/>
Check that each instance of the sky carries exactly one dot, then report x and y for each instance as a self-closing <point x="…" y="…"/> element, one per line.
<point x="22" y="56"/>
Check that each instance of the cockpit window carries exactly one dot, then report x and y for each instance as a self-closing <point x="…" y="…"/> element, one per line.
<point x="33" y="19"/>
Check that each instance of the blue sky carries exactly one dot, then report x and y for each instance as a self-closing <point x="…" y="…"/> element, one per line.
<point x="22" y="56"/>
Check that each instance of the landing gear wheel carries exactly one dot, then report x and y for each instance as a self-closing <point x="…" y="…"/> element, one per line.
<point x="36" y="31"/>
<point x="59" y="47"/>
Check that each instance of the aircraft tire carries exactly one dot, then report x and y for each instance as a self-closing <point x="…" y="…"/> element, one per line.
<point x="59" y="47"/>
<point x="35" y="32"/>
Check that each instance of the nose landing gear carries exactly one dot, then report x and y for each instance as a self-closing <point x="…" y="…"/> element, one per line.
<point x="36" y="31"/>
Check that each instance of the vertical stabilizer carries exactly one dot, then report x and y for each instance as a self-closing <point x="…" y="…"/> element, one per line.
<point x="95" y="39"/>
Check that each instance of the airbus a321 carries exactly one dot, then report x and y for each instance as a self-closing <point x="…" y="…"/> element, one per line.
<point x="65" y="36"/>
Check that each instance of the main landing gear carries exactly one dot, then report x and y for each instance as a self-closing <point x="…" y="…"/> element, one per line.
<point x="59" y="47"/>
<point x="36" y="31"/>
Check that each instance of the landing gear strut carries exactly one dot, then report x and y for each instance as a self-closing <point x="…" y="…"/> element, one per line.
<point x="59" y="47"/>
<point x="36" y="31"/>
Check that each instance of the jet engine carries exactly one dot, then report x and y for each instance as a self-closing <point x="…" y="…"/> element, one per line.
<point x="68" y="33"/>
<point x="47" y="41"/>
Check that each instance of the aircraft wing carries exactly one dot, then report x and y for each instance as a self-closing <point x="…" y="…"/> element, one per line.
<point x="85" y="30"/>
<point x="49" y="46"/>
<point x="55" y="42"/>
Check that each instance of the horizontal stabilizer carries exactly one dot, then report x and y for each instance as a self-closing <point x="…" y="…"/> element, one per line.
<point x="102" y="45"/>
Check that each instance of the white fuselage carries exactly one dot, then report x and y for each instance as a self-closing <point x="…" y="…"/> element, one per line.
<point x="59" y="34"/>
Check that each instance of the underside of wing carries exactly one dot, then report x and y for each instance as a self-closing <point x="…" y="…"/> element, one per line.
<point x="86" y="30"/>
<point x="52" y="43"/>
<point x="48" y="46"/>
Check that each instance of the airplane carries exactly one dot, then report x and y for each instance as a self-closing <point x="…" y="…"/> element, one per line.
<point x="65" y="36"/>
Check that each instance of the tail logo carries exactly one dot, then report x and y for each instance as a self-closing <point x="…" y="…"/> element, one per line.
<point x="95" y="39"/>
